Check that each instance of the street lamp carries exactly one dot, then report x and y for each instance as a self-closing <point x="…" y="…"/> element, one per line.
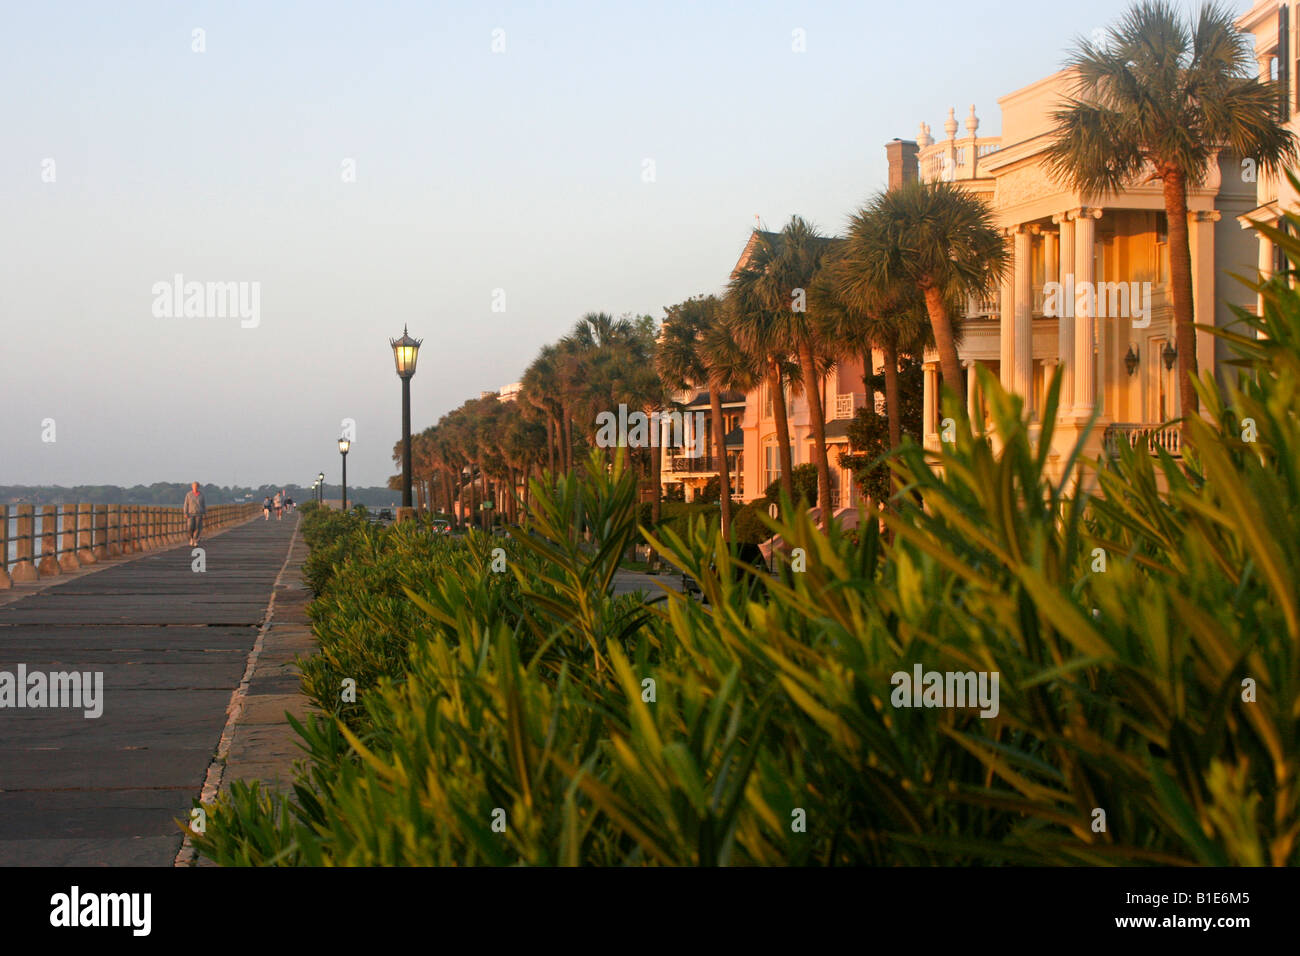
<point x="405" y="352"/>
<point x="320" y="482"/>
<point x="344" y="445"/>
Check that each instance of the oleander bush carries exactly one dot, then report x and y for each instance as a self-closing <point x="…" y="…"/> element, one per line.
<point x="1144" y="625"/>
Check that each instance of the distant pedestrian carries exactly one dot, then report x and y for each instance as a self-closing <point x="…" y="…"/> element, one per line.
<point x="266" y="508"/>
<point x="288" y="503"/>
<point x="279" y="504"/>
<point x="194" y="509"/>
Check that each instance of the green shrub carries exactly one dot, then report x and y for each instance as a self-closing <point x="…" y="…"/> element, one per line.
<point x="804" y="478"/>
<point x="1162" y="691"/>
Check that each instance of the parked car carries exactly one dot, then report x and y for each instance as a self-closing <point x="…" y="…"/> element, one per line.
<point x="441" y="526"/>
<point x="385" y="514"/>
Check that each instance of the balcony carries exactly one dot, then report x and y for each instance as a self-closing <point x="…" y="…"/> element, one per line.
<point x="982" y="308"/>
<point x="687" y="465"/>
<point x="1168" y="437"/>
<point x="950" y="160"/>
<point x="848" y="403"/>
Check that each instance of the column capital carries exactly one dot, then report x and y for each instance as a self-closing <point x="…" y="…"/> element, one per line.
<point x="1086" y="212"/>
<point x="967" y="363"/>
<point x="930" y="365"/>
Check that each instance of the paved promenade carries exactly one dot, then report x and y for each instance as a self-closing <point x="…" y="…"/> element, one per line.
<point x="173" y="644"/>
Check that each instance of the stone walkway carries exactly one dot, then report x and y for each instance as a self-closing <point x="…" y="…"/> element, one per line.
<point x="172" y="643"/>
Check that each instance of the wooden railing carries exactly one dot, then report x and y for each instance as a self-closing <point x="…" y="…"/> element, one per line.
<point x="1167" y="437"/>
<point x="52" y="539"/>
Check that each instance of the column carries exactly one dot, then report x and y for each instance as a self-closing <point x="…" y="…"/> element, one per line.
<point x="114" y="530"/>
<point x="1049" y="369"/>
<point x="1200" y="228"/>
<point x="1265" y="273"/>
<point x="1007" y="328"/>
<point x="1051" y="264"/>
<point x="100" y="524"/>
<point x="68" y="539"/>
<point x="5" y="582"/>
<point x="972" y="402"/>
<point x="1085" y="385"/>
<point x="1065" y="320"/>
<point x="49" y="564"/>
<point x="84" y="529"/>
<point x="930" y="400"/>
<point x="1023" y="350"/>
<point x="24" y="568"/>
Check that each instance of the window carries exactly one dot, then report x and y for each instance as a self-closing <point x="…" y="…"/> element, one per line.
<point x="772" y="461"/>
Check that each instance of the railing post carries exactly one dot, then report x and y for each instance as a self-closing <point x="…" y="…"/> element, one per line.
<point x="135" y="528"/>
<point x="49" y="564"/>
<point x="68" y="539"/>
<point x="24" y="568"/>
<point x="5" y="582"/>
<point x="159" y="528"/>
<point x="100" y="531"/>
<point x="84" y="552"/>
<point x="114" y="530"/>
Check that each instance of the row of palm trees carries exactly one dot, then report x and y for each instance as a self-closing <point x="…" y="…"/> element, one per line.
<point x="1156" y="97"/>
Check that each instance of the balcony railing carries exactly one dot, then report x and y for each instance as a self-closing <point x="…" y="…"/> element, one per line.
<point x="949" y="160"/>
<point x="848" y="403"/>
<point x="979" y="308"/>
<point x="685" y="464"/>
<point x="1157" y="436"/>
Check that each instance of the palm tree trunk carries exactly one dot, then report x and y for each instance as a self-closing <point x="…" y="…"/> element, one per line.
<point x="720" y="450"/>
<point x="944" y="341"/>
<point x="817" y="413"/>
<point x="782" y="428"/>
<point x="656" y="475"/>
<point x="892" y="411"/>
<point x="568" y="442"/>
<point x="1180" y="280"/>
<point x="867" y="374"/>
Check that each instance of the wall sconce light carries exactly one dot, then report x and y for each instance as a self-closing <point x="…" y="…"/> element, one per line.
<point x="1170" y="355"/>
<point x="1131" y="360"/>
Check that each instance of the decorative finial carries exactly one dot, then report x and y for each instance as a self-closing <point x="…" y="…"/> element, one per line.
<point x="950" y="127"/>
<point x="972" y="121"/>
<point x="924" y="139"/>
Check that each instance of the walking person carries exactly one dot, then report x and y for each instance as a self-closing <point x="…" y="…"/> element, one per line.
<point x="266" y="508"/>
<point x="279" y="504"/>
<point x="194" y="509"/>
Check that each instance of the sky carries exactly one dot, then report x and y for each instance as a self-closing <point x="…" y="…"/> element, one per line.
<point x="482" y="173"/>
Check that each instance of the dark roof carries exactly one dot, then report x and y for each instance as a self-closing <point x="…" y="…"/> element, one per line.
<point x="839" y="428"/>
<point x="727" y="398"/>
<point x="735" y="439"/>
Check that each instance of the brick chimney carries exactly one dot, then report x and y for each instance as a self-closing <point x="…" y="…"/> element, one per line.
<point x="902" y="155"/>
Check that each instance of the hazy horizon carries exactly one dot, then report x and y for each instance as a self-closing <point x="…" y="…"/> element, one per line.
<point x="361" y="169"/>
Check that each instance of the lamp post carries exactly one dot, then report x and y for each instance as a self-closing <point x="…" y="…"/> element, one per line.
<point x="320" y="484"/>
<point x="405" y="352"/>
<point x="344" y="445"/>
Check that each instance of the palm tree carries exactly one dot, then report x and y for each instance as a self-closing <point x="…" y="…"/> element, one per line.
<point x="1157" y="99"/>
<point x="728" y="368"/>
<point x="936" y="238"/>
<point x="771" y="292"/>
<point x="683" y="362"/>
<point x="860" y="315"/>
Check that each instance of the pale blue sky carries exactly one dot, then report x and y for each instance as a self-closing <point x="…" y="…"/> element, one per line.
<point x="475" y="171"/>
